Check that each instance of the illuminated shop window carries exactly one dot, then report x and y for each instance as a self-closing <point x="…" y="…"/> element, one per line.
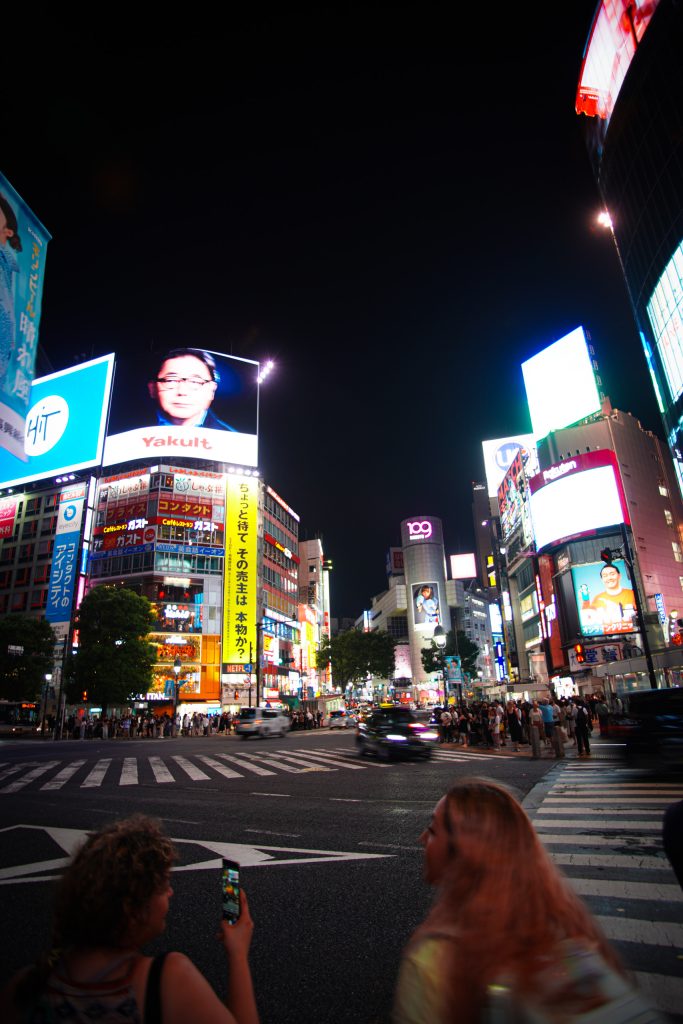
<point x="665" y="310"/>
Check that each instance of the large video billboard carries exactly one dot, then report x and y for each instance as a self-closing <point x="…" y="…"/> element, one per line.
<point x="23" y="248"/>
<point x="65" y="424"/>
<point x="560" y="383"/>
<point x="576" y="497"/>
<point x="240" y="582"/>
<point x="605" y="600"/>
<point x="184" y="402"/>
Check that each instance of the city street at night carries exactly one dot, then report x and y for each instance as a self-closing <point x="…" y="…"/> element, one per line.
<point x="329" y="848"/>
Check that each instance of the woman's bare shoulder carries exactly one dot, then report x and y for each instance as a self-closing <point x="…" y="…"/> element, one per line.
<point x="187" y="995"/>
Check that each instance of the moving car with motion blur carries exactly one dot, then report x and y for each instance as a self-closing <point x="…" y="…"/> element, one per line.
<point x="262" y="722"/>
<point x="342" y="719"/>
<point x="395" y="732"/>
<point x="653" y="728"/>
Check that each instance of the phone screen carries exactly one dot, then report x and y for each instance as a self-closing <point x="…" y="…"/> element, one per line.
<point x="230" y="883"/>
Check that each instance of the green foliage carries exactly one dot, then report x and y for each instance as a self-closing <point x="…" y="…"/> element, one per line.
<point x="22" y="676"/>
<point x="114" y="659"/>
<point x="355" y="655"/>
<point x="461" y="646"/>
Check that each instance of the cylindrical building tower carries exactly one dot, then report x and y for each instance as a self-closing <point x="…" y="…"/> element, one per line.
<point x="424" y="563"/>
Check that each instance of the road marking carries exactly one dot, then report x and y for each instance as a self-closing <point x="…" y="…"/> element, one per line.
<point x="16" y="768"/>
<point x="195" y="773"/>
<point x="583" y="826"/>
<point x="392" y="846"/>
<point x="549" y="838"/>
<point x="265" y="832"/>
<point x="639" y="862"/>
<point x="277" y="764"/>
<point x="307" y="766"/>
<point x="611" y="813"/>
<point x="129" y="772"/>
<point x="247" y="765"/>
<point x="63" y="776"/>
<point x="161" y="772"/>
<point x="627" y="890"/>
<point x="31" y="776"/>
<point x="248" y="855"/>
<point x="665" y="991"/>
<point x="345" y="800"/>
<point x="650" y="933"/>
<point x="222" y="769"/>
<point x="563" y="801"/>
<point x="97" y="774"/>
<point x="256" y="793"/>
<point x="321" y="755"/>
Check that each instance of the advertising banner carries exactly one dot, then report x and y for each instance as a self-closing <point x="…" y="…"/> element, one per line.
<point x="185" y="402"/>
<point x="426" y="606"/>
<point x="241" y="570"/>
<point x="513" y="502"/>
<point x="561" y="386"/>
<point x="64" y="426"/>
<point x="23" y="248"/>
<point x="65" y="556"/>
<point x="605" y="600"/>
<point x="8" y="511"/>
<point x="499" y="453"/>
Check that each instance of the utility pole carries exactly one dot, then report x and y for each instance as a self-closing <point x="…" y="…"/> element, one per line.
<point x="259" y="628"/>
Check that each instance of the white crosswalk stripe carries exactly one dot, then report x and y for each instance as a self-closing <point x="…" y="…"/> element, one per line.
<point x="161" y="772"/>
<point x="96" y="776"/>
<point x="30" y="777"/>
<point x="129" y="772"/>
<point x="63" y="777"/>
<point x="603" y="827"/>
<point x="189" y="768"/>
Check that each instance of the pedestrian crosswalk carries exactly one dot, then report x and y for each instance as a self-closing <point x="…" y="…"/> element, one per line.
<point x="54" y="775"/>
<point x="603" y="827"/>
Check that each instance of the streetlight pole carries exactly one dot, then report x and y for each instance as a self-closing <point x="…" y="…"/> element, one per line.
<point x="177" y="666"/>
<point x="439" y="638"/>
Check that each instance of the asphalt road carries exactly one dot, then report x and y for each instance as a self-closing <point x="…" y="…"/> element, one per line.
<point x="328" y="844"/>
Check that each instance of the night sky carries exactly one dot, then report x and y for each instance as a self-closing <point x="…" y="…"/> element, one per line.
<point x="397" y="206"/>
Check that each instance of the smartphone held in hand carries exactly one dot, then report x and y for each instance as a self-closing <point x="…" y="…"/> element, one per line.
<point x="230" y="885"/>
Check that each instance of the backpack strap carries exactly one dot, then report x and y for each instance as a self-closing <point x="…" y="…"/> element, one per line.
<point x="153" y="992"/>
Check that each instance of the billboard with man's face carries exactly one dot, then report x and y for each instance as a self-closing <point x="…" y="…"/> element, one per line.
<point x="184" y="402"/>
<point x="605" y="599"/>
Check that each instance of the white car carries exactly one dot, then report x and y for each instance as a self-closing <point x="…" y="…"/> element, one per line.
<point x="262" y="722"/>
<point x="342" y="720"/>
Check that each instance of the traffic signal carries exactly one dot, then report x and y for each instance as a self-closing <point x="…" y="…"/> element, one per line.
<point x="84" y="696"/>
<point x="237" y="694"/>
<point x="580" y="653"/>
<point x="606" y="555"/>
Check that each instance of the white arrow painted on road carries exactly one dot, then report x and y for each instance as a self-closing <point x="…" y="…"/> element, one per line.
<point x="247" y="855"/>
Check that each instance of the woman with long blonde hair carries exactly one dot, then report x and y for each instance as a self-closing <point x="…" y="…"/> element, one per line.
<point x="504" y="921"/>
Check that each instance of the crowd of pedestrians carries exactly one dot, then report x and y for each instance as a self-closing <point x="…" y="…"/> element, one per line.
<point x="148" y="725"/>
<point x="546" y="724"/>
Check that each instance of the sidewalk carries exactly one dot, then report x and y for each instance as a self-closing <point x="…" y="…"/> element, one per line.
<point x="602" y="749"/>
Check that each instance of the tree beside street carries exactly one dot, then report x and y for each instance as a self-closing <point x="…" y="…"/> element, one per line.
<point x="355" y="656"/>
<point x="456" y="646"/>
<point x="114" y="658"/>
<point x="26" y="656"/>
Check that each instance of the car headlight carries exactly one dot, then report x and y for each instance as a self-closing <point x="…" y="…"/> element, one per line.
<point x="395" y="738"/>
<point x="429" y="736"/>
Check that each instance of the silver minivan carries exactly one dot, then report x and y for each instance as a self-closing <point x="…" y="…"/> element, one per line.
<point x="262" y="722"/>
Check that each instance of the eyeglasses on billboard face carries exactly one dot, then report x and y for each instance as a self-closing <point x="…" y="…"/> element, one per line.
<point x="171" y="383"/>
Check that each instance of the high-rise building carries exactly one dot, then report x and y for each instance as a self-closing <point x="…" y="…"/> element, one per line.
<point x="630" y="95"/>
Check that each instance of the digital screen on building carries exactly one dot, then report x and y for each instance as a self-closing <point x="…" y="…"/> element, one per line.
<point x="513" y="502"/>
<point x="560" y="384"/>
<point x="618" y="27"/>
<point x="426" y="606"/>
<point x="65" y="424"/>
<point x="499" y="453"/>
<point x="186" y="402"/>
<point x="665" y="310"/>
<point x="464" y="567"/>
<point x="605" y="600"/>
<point x="576" y="497"/>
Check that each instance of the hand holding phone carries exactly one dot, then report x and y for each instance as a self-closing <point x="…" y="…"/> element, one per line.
<point x="230" y="886"/>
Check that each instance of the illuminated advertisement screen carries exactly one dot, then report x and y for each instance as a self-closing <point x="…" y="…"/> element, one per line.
<point x="617" y="29"/>
<point x="185" y="402"/>
<point x="23" y="249"/>
<point x="560" y="384"/>
<point x="240" y="584"/>
<point x="463" y="567"/>
<point x="665" y="310"/>
<point x="499" y="453"/>
<point x="513" y="501"/>
<point x="426" y="606"/>
<point x="576" y="497"/>
<point x="65" y="424"/>
<point x="604" y="597"/>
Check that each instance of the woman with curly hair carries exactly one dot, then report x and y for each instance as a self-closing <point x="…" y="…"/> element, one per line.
<point x="111" y="901"/>
<point x="506" y="938"/>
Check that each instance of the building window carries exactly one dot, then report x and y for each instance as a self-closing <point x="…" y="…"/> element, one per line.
<point x="669" y="518"/>
<point x="662" y="490"/>
<point x="39" y="598"/>
<point x="19" y="602"/>
<point x="678" y="554"/>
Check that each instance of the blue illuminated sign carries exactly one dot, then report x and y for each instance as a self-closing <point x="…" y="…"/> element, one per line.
<point x="65" y="424"/>
<point x="62" y="577"/>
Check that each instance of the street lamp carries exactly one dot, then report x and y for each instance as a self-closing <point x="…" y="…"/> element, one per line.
<point x="177" y="666"/>
<point x="439" y="638"/>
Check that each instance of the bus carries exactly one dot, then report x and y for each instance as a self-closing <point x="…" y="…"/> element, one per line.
<point x="19" y="717"/>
